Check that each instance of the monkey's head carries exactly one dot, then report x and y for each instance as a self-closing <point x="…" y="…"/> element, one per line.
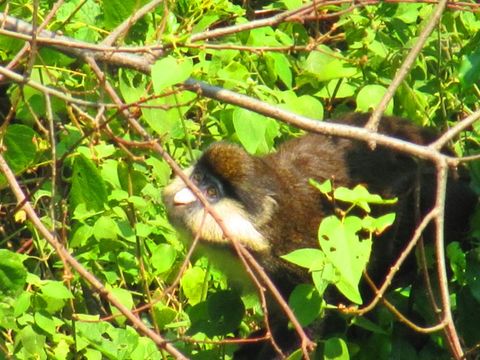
<point x="229" y="179"/>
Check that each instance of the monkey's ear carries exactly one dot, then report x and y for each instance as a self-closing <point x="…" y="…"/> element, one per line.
<point x="269" y="206"/>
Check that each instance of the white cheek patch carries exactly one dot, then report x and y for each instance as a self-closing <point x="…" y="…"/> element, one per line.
<point x="184" y="197"/>
<point x="236" y="222"/>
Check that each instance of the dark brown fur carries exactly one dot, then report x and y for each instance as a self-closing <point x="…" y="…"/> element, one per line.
<point x="284" y="177"/>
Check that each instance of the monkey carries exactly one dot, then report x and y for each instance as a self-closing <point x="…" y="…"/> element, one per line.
<point x="268" y="205"/>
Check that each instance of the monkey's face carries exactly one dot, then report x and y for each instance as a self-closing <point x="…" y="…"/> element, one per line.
<point x="226" y="189"/>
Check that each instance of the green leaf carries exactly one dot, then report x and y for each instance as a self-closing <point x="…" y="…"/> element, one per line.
<point x="306" y="303"/>
<point x="125" y="229"/>
<point x="469" y="72"/>
<point x="204" y="23"/>
<point x="408" y="13"/>
<point x="143" y="230"/>
<point x="22" y="303"/>
<point x="19" y="141"/>
<point x="170" y="71"/>
<point x="88" y="186"/>
<point x="54" y="295"/>
<point x="56" y="290"/>
<point x="33" y="343"/>
<point x="68" y="138"/>
<point x="324" y="277"/>
<point x="20" y="146"/>
<point x="233" y="75"/>
<point x="146" y="349"/>
<point x="361" y="197"/>
<point x="254" y="130"/>
<point x="117" y="11"/>
<point x="109" y="173"/>
<point x="335" y="349"/>
<point x="81" y="235"/>
<point x="61" y="350"/>
<point x="127" y="262"/>
<point x="296" y="355"/>
<point x="369" y="97"/>
<point x="250" y="128"/>
<point x="13" y="274"/>
<point x="86" y="14"/>
<point x="339" y="88"/>
<point x="312" y="259"/>
<point x="105" y="228"/>
<point x="367" y="324"/>
<point x="192" y="284"/>
<point x="325" y="188"/>
<point x="131" y="87"/>
<point x="226" y="311"/>
<point x="103" y="150"/>
<point x="292" y="4"/>
<point x="45" y="322"/>
<point x="326" y="65"/>
<point x="10" y="44"/>
<point x="163" y="314"/>
<point x="343" y="248"/>
<point x="458" y="261"/>
<point x="378" y="225"/>
<point x="168" y="122"/>
<point x="280" y="66"/>
<point x="118" y="195"/>
<point x="132" y="180"/>
<point x="263" y="36"/>
<point x="413" y="101"/>
<point x="163" y="257"/>
<point x="160" y="170"/>
<point x="221" y="314"/>
<point x="99" y="336"/>
<point x="125" y="297"/>
<point x="305" y="105"/>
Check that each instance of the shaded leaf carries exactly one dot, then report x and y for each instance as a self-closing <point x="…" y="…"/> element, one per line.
<point x="306" y="302"/>
<point x="163" y="257"/>
<point x="336" y="349"/>
<point x="88" y="186"/>
<point x="13" y="274"/>
<point x="369" y="97"/>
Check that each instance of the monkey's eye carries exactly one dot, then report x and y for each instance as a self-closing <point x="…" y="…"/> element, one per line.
<point x="212" y="192"/>
<point x="196" y="178"/>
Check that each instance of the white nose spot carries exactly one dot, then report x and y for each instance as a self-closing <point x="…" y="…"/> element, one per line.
<point x="184" y="197"/>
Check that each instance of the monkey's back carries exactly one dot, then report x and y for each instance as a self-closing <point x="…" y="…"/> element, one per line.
<point x="346" y="162"/>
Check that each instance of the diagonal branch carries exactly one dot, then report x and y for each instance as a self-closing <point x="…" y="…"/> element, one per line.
<point x="67" y="257"/>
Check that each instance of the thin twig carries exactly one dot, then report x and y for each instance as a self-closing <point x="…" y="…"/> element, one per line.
<point x="125" y="25"/>
<point x="407" y="64"/>
<point x="450" y="330"/>
<point x="399" y="315"/>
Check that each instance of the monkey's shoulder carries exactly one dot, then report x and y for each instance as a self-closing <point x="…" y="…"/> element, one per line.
<point x="333" y="148"/>
<point x="312" y="156"/>
<point x="348" y="162"/>
<point x="394" y="126"/>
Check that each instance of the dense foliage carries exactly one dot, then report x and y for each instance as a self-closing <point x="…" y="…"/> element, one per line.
<point x="79" y="112"/>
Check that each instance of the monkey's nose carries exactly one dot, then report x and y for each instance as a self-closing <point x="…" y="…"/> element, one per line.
<point x="184" y="197"/>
